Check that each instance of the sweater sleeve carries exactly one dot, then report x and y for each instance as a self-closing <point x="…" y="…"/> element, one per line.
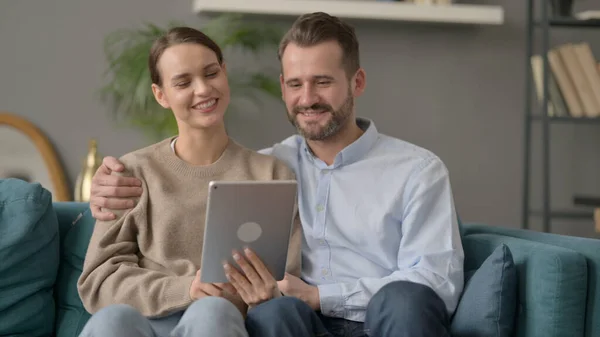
<point x="112" y="275"/>
<point x="294" y="257"/>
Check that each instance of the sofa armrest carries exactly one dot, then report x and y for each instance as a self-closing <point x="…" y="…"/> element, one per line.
<point x="588" y="248"/>
<point x="552" y="283"/>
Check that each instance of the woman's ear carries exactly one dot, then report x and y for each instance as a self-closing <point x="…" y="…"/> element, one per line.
<point x="160" y="96"/>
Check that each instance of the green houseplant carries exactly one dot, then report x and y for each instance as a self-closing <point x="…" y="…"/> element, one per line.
<point x="128" y="90"/>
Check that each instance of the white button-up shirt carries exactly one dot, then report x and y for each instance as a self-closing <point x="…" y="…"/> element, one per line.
<point x="382" y="212"/>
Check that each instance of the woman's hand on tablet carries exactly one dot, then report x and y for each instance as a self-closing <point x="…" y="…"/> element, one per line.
<point x="199" y="289"/>
<point x="257" y="284"/>
<point x="225" y="290"/>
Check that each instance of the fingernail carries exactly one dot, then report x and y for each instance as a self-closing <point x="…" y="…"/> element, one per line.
<point x="248" y="251"/>
<point x="226" y="266"/>
<point x="236" y="256"/>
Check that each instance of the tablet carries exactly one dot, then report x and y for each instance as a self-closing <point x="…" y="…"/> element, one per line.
<point x="254" y="214"/>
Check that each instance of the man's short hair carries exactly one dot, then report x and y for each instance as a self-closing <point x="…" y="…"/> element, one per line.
<point x="314" y="28"/>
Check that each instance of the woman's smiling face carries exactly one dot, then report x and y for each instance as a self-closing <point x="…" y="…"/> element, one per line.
<point x="194" y="85"/>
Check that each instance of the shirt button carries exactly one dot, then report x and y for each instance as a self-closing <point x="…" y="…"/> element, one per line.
<point x="324" y="271"/>
<point x="320" y="208"/>
<point x="322" y="242"/>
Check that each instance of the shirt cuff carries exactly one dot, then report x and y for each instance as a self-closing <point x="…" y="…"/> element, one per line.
<point x="332" y="301"/>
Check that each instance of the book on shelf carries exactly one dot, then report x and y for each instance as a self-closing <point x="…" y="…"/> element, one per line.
<point x="556" y="103"/>
<point x="590" y="201"/>
<point x="573" y="80"/>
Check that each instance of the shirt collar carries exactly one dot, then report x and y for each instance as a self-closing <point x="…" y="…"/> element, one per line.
<point x="353" y="152"/>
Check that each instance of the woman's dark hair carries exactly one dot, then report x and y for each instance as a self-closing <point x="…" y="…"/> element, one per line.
<point x="174" y="36"/>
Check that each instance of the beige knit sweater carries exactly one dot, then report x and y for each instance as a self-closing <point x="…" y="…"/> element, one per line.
<point x="149" y="255"/>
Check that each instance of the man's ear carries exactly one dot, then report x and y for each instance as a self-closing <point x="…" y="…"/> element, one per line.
<point x="282" y="85"/>
<point x="160" y="96"/>
<point x="359" y="82"/>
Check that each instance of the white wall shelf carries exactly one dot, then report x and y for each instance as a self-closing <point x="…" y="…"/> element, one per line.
<point x="361" y="9"/>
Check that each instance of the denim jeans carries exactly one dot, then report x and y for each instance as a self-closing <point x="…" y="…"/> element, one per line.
<point x="399" y="309"/>
<point x="209" y="316"/>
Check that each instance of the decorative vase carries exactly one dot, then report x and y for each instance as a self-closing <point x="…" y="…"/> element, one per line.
<point x="84" y="180"/>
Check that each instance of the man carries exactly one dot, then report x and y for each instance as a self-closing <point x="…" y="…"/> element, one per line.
<point x="382" y="254"/>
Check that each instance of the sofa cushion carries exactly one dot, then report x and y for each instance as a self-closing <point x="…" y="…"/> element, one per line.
<point x="29" y="251"/>
<point x="489" y="300"/>
<point x="71" y="315"/>
<point x="552" y="283"/>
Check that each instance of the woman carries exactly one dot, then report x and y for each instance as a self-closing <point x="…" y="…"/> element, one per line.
<point x="141" y="275"/>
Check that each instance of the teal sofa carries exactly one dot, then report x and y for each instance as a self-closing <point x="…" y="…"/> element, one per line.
<point x="43" y="244"/>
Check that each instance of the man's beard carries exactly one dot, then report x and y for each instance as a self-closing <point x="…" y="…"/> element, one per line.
<point x="338" y="119"/>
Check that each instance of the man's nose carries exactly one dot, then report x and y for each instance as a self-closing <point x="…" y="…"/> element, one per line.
<point x="308" y="96"/>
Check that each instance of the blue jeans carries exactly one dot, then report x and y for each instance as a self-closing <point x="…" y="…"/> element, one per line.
<point x="209" y="316"/>
<point x="399" y="309"/>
